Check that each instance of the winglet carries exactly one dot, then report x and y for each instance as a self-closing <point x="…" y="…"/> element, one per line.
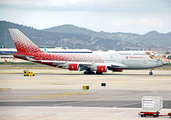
<point x="22" y="43"/>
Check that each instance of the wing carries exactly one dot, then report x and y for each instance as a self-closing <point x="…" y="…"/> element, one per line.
<point x="65" y="64"/>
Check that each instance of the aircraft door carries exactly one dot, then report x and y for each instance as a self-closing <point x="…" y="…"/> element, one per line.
<point x="123" y="60"/>
<point x="145" y="60"/>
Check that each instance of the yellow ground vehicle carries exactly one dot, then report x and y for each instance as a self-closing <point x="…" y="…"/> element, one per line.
<point x="28" y="73"/>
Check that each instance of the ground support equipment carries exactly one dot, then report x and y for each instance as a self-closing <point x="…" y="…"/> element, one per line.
<point x="154" y="114"/>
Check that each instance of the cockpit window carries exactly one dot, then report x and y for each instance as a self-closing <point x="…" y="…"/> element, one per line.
<point x="155" y="54"/>
<point x="152" y="54"/>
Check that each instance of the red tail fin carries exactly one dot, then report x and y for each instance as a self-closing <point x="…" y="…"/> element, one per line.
<point x="22" y="43"/>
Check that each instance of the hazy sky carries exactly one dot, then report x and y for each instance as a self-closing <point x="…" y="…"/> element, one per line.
<point x="135" y="16"/>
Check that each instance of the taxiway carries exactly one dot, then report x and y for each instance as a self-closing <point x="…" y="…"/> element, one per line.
<point x="53" y="94"/>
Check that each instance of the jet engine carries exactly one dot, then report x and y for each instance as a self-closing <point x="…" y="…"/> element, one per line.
<point x="73" y="67"/>
<point x="101" y="68"/>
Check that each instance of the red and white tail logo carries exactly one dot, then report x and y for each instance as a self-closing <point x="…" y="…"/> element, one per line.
<point x="22" y="43"/>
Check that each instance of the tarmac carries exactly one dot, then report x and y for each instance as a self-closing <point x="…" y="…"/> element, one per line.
<point x="58" y="94"/>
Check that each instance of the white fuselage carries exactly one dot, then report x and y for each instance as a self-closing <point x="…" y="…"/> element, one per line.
<point x="130" y="59"/>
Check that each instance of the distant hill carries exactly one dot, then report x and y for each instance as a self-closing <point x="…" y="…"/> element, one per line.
<point x="52" y="39"/>
<point x="153" y="37"/>
<point x="85" y="39"/>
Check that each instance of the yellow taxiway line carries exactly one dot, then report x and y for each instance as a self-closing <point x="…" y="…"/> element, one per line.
<point x="55" y="95"/>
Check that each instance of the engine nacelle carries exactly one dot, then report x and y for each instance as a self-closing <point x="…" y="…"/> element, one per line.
<point x="73" y="67"/>
<point x="101" y="68"/>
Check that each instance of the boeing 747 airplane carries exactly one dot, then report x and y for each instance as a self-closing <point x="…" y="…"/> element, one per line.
<point x="90" y="63"/>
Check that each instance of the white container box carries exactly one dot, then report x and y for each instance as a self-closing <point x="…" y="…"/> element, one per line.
<point x="152" y="103"/>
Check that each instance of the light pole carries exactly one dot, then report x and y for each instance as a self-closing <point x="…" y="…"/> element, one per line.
<point x="61" y="42"/>
<point x="134" y="42"/>
<point x="74" y="44"/>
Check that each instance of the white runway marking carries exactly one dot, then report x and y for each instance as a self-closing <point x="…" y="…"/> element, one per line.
<point x="22" y="114"/>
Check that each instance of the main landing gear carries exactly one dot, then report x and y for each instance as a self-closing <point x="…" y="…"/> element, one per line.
<point x="91" y="72"/>
<point x="151" y="73"/>
<point x="99" y="73"/>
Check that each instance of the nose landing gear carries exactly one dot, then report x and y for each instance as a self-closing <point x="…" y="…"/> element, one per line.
<point x="151" y="73"/>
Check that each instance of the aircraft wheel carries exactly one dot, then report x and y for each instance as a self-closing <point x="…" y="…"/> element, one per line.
<point x="150" y="73"/>
<point x="98" y="72"/>
<point x="93" y="72"/>
<point x="85" y="72"/>
<point x="89" y="72"/>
